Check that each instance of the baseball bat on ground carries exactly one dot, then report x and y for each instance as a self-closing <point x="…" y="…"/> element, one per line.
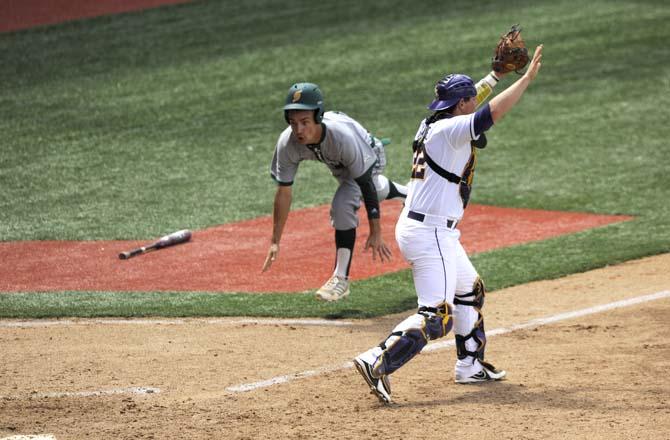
<point x="169" y="240"/>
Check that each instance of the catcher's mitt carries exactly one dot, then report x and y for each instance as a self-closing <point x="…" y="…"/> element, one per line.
<point x="511" y="53"/>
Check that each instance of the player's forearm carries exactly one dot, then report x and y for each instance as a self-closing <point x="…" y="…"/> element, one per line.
<point x="369" y="192"/>
<point x="504" y="102"/>
<point x="375" y="226"/>
<point x="282" y="206"/>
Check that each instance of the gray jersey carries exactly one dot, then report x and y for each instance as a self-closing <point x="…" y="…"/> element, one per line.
<point x="345" y="149"/>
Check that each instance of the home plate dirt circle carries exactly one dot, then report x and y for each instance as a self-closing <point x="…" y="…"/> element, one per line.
<point x="601" y="373"/>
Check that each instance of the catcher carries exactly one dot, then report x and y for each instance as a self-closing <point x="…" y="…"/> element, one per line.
<point x="446" y="283"/>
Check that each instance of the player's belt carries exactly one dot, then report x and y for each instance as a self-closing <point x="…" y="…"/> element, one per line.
<point x="450" y="224"/>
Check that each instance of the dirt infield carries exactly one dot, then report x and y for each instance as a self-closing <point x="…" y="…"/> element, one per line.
<point x="599" y="376"/>
<point x="228" y="258"/>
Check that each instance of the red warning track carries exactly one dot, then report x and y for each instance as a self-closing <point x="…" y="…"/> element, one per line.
<point x="23" y="14"/>
<point x="228" y="258"/>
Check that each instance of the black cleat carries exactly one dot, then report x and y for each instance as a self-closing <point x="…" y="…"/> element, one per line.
<point x="380" y="386"/>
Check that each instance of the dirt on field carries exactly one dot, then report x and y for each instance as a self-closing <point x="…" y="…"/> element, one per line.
<point x="597" y="376"/>
<point x="228" y="258"/>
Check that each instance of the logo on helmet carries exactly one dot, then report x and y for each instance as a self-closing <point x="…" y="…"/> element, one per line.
<point x="304" y="96"/>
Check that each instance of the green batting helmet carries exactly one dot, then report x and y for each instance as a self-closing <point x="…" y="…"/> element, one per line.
<point x="305" y="96"/>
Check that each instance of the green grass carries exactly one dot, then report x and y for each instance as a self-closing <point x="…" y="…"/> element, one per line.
<point x="128" y="126"/>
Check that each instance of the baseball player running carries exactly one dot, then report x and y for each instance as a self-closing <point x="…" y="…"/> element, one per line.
<point x="445" y="280"/>
<point x="354" y="157"/>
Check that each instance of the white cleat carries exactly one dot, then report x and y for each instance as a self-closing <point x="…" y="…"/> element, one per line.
<point x="335" y="289"/>
<point x="379" y="386"/>
<point x="488" y="373"/>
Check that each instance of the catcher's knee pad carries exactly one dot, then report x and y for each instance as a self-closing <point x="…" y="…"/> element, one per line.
<point x="474" y="299"/>
<point x="410" y="336"/>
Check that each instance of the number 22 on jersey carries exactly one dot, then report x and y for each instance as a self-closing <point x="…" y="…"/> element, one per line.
<point x="418" y="165"/>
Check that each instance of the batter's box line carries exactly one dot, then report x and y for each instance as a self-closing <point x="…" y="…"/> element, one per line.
<point x="110" y="392"/>
<point x="30" y="437"/>
<point x="436" y="346"/>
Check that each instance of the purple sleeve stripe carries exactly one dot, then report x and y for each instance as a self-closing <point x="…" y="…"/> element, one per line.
<point x="483" y="120"/>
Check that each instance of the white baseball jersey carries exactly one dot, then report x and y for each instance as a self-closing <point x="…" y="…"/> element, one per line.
<point x="448" y="143"/>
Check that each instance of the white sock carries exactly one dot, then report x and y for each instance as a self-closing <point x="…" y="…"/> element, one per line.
<point x="371" y="355"/>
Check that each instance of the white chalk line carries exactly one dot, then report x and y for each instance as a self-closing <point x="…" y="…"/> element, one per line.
<point x="241" y="388"/>
<point x="30" y="437"/>
<point x="288" y="378"/>
<point x="219" y="321"/>
<point x="110" y="392"/>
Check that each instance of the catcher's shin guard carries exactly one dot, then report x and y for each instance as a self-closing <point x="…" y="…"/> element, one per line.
<point x="410" y="336"/>
<point x="475" y="337"/>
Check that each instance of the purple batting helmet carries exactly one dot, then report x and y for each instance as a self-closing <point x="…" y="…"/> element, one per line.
<point x="451" y="89"/>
